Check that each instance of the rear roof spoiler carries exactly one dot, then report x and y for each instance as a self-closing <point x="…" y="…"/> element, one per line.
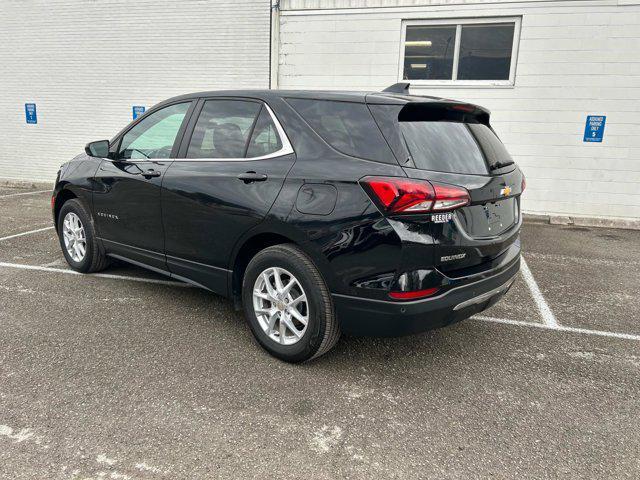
<point x="445" y="110"/>
<point x="402" y="87"/>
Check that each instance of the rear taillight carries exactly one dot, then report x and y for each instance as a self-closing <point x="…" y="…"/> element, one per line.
<point x="406" y="195"/>
<point x="449" y="197"/>
<point x="524" y="184"/>
<point x="53" y="202"/>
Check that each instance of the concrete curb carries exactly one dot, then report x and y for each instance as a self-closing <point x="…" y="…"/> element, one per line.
<point x="26" y="185"/>
<point x="621" y="223"/>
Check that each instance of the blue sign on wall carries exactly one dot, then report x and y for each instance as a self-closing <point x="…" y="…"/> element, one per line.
<point x="594" y="129"/>
<point x="30" y="112"/>
<point x="137" y="111"/>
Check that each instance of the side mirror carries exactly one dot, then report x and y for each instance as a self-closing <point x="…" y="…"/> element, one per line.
<point x="98" y="149"/>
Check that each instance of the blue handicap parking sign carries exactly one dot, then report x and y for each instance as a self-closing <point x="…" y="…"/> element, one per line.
<point x="30" y="112"/>
<point x="594" y="129"/>
<point x="137" y="111"/>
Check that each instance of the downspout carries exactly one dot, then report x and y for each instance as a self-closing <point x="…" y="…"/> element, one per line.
<point x="274" y="53"/>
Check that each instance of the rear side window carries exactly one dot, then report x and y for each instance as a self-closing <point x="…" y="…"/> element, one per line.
<point x="223" y="129"/>
<point x="264" y="139"/>
<point x="442" y="146"/>
<point x="347" y="127"/>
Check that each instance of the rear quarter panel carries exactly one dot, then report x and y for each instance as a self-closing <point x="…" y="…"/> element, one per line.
<point x="351" y="240"/>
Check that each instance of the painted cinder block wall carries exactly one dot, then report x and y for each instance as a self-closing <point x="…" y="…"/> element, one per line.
<point x="85" y="63"/>
<point x="575" y="58"/>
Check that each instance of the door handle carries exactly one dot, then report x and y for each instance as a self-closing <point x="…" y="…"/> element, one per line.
<point x="151" y="173"/>
<point x="250" y="177"/>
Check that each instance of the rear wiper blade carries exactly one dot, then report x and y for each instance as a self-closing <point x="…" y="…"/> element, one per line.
<point x="498" y="165"/>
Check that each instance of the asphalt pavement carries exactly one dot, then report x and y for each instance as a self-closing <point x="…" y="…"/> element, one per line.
<point x="129" y="375"/>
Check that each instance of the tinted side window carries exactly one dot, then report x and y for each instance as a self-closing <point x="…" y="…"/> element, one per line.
<point x="265" y="139"/>
<point x="222" y="129"/>
<point x="347" y="127"/>
<point x="154" y="136"/>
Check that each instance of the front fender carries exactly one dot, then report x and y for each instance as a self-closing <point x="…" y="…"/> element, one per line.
<point x="75" y="180"/>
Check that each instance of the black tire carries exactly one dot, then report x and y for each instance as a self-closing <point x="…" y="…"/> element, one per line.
<point x="94" y="259"/>
<point x="322" y="331"/>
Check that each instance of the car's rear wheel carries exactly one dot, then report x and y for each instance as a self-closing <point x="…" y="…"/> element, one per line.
<point x="78" y="240"/>
<point x="287" y="304"/>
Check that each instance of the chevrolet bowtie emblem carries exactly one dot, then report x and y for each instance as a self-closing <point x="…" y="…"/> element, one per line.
<point x="505" y="192"/>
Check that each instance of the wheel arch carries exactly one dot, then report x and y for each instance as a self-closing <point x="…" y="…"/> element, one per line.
<point x="63" y="196"/>
<point x="245" y="251"/>
<point x="269" y="233"/>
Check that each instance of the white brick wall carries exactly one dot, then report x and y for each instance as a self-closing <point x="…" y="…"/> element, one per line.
<point x="575" y="58"/>
<point x="86" y="63"/>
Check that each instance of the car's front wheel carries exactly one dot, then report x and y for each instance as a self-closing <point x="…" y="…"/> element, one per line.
<point x="78" y="240"/>
<point x="288" y="305"/>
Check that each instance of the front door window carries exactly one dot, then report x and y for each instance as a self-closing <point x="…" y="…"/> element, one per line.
<point x="155" y="135"/>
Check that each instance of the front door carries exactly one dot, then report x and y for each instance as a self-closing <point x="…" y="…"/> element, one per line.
<point x="127" y="196"/>
<point x="236" y="161"/>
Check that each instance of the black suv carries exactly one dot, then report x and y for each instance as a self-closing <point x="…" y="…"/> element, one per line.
<point x="318" y="212"/>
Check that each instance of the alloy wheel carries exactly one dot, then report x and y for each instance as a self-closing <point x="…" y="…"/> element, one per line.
<point x="281" y="306"/>
<point x="75" y="240"/>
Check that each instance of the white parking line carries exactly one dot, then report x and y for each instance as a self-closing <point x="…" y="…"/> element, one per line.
<point x="23" y="193"/>
<point x="543" y="307"/>
<point x="101" y="275"/>
<point x="506" y="321"/>
<point x="560" y="328"/>
<point x="25" y="233"/>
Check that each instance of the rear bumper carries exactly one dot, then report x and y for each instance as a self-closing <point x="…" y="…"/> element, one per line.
<point x="362" y="316"/>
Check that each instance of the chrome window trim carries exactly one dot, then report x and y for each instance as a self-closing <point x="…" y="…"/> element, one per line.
<point x="286" y="149"/>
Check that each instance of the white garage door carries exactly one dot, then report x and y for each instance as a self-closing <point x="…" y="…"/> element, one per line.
<point x="85" y="64"/>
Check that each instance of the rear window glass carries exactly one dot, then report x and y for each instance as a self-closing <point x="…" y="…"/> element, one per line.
<point x="347" y="127"/>
<point x="443" y="146"/>
<point x="493" y="149"/>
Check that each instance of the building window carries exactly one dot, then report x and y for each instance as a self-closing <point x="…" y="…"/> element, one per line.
<point x="469" y="52"/>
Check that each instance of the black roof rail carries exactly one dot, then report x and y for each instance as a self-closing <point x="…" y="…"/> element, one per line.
<point x="402" y="87"/>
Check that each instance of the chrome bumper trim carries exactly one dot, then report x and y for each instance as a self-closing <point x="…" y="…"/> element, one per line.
<point x="485" y="296"/>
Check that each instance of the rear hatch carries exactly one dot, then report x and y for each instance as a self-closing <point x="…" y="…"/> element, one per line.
<point x="452" y="143"/>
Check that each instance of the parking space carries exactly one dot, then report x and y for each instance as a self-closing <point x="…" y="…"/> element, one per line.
<point x="22" y="210"/>
<point x="105" y="377"/>
<point x="590" y="276"/>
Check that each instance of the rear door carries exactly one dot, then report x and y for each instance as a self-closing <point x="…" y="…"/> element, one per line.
<point x="453" y="144"/>
<point x="127" y="194"/>
<point x="233" y="162"/>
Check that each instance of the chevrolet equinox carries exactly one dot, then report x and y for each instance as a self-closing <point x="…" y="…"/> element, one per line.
<point x="317" y="212"/>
